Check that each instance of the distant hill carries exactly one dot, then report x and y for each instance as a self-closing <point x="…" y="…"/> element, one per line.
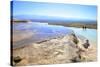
<point x="52" y="19"/>
<point x="70" y="22"/>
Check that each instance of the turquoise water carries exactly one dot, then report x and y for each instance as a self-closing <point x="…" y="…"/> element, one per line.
<point x="44" y="30"/>
<point x="41" y="32"/>
<point x="90" y="34"/>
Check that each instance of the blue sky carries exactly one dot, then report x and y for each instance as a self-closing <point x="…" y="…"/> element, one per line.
<point x="55" y="10"/>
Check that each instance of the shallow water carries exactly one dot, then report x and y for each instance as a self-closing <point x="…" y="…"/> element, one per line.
<point x="36" y="32"/>
<point x="90" y="34"/>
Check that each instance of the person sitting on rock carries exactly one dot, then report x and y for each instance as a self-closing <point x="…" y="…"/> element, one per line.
<point x="86" y="44"/>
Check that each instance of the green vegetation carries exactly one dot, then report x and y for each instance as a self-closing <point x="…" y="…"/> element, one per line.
<point x="76" y="24"/>
<point x="67" y="24"/>
<point x="80" y="25"/>
<point x="19" y="21"/>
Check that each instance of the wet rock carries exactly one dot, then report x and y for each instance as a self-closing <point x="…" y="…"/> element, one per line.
<point x="17" y="59"/>
<point x="75" y="59"/>
<point x="75" y="39"/>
